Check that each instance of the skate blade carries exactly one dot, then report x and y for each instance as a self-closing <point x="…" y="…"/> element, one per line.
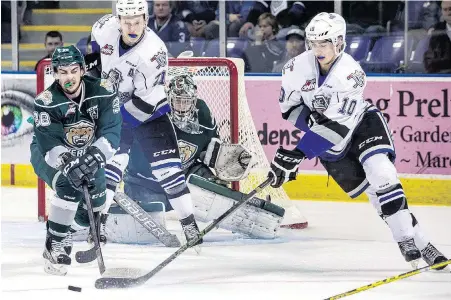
<point x="447" y="269"/>
<point x="414" y="263"/>
<point x="54" y="269"/>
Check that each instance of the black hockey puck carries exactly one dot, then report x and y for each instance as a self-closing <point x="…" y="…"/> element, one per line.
<point x="74" y="288"/>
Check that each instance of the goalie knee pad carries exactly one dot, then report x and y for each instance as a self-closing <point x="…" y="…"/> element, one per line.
<point x="380" y="172"/>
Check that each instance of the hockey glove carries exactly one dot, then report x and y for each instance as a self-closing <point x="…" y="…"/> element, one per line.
<point x="74" y="169"/>
<point x="94" y="159"/>
<point x="284" y="166"/>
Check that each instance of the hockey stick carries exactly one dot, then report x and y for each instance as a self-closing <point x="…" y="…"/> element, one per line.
<point x="390" y="279"/>
<point x="143" y="218"/>
<point x="126" y="282"/>
<point x="96" y="250"/>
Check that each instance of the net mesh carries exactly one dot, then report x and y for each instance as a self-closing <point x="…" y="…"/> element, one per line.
<point x="225" y="94"/>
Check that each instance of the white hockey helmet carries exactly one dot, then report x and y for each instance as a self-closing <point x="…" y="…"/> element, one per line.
<point x="131" y="8"/>
<point x="326" y="26"/>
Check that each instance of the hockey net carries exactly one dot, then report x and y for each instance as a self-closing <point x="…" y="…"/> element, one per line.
<point x="220" y="83"/>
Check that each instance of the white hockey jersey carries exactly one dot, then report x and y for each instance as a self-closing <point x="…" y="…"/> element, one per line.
<point x="139" y="73"/>
<point x="327" y="109"/>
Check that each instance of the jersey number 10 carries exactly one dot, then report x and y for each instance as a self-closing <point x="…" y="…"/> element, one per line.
<point x="348" y="107"/>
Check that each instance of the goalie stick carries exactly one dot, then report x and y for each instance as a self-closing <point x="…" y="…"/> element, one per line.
<point x="143" y="218"/>
<point x="126" y="282"/>
<point x="390" y="279"/>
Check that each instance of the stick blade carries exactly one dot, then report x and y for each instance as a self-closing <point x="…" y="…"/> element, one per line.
<point x="83" y="257"/>
<point x="171" y="241"/>
<point x="117" y="283"/>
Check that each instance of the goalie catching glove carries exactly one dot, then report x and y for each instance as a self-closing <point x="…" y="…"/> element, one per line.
<point x="284" y="166"/>
<point x="231" y="162"/>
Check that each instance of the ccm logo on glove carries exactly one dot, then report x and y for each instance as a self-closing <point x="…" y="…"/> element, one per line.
<point x="289" y="159"/>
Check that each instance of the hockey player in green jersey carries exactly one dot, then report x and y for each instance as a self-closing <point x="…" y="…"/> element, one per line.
<point x="198" y="138"/>
<point x="77" y="125"/>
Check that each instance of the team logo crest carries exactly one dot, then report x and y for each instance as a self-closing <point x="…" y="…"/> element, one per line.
<point x="79" y="134"/>
<point x="288" y="66"/>
<point x="107" y="49"/>
<point x="187" y="150"/>
<point x="320" y="103"/>
<point x="116" y="105"/>
<point x="114" y="76"/>
<point x="71" y="110"/>
<point x="46" y="97"/>
<point x="107" y="85"/>
<point x="358" y="77"/>
<point x="160" y="58"/>
<point x="93" y="111"/>
<point x="309" y="85"/>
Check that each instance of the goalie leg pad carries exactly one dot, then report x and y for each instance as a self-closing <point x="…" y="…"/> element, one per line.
<point x="212" y="200"/>
<point x="123" y="228"/>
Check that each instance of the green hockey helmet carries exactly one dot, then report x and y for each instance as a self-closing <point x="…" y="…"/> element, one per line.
<point x="66" y="56"/>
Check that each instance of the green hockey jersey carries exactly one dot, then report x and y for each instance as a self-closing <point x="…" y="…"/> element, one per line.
<point x="191" y="144"/>
<point x="61" y="124"/>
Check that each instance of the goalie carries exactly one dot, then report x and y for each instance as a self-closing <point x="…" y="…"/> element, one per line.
<point x="201" y="151"/>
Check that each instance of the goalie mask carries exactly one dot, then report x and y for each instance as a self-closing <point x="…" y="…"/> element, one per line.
<point x="182" y="96"/>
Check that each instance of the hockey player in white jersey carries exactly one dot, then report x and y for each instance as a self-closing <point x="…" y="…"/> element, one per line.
<point x="322" y="95"/>
<point x="135" y="60"/>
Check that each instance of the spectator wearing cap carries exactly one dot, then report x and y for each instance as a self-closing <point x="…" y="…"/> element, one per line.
<point x="52" y="40"/>
<point x="166" y="25"/>
<point x="295" y="45"/>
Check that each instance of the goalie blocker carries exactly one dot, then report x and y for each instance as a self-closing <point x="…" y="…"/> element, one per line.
<point x="257" y="219"/>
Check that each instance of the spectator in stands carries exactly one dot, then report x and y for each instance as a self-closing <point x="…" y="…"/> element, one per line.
<point x="287" y="13"/>
<point x="266" y="50"/>
<point x="437" y="59"/>
<point x="295" y="45"/>
<point x="197" y="15"/>
<point x="167" y="26"/>
<point x="52" y="40"/>
<point x="422" y="15"/>
<point x="236" y="15"/>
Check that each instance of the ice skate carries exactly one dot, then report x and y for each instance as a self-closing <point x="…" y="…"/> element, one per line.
<point x="191" y="231"/>
<point x="410" y="252"/>
<point x="432" y="256"/>
<point x="68" y="242"/>
<point x="55" y="257"/>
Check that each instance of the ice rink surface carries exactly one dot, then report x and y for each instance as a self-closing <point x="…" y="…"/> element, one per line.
<point x="346" y="246"/>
